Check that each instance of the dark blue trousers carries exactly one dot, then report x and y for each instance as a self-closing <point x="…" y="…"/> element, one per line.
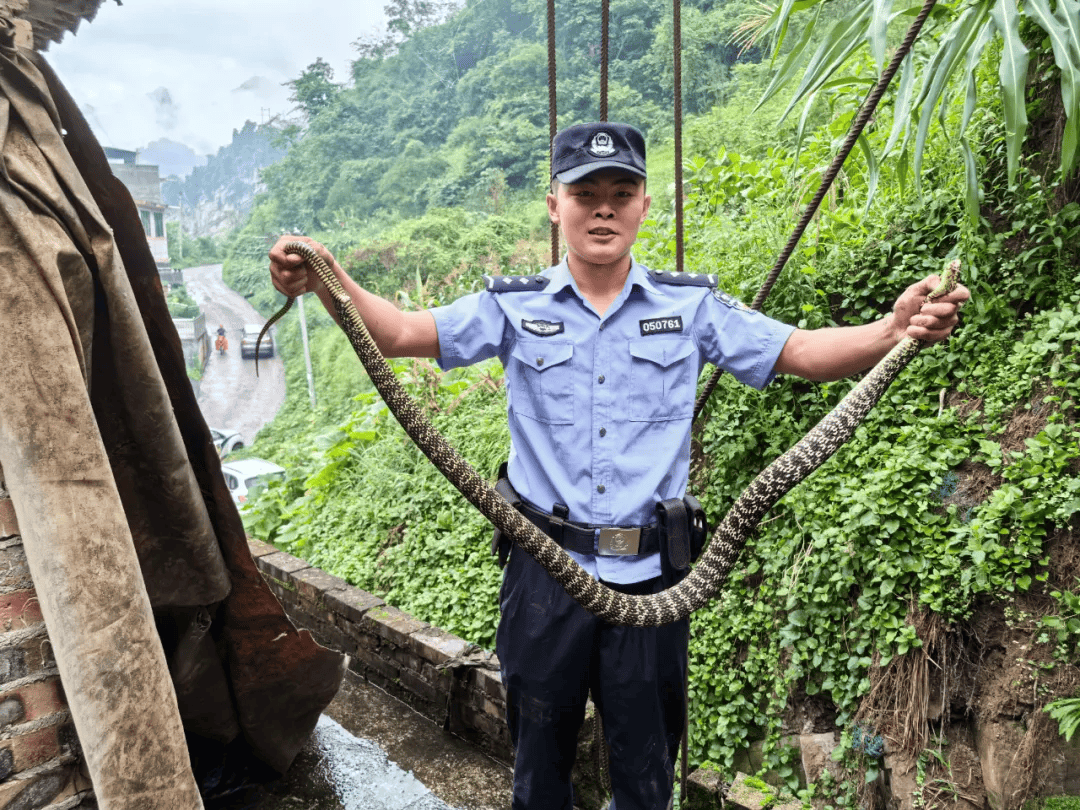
<point x="552" y="651"/>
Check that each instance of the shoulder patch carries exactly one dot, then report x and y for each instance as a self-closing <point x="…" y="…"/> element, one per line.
<point x="683" y="279"/>
<point x="515" y="283"/>
<point x="730" y="301"/>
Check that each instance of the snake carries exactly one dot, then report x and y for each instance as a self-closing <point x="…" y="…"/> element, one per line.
<point x="728" y="539"/>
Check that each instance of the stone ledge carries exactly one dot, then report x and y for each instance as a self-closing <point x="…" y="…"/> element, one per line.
<point x="314" y="584"/>
<point x="708" y="790"/>
<point x="411" y="659"/>
<point x="282" y="565"/>
<point x="259" y="548"/>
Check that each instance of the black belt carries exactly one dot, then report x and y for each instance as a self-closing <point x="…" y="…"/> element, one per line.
<point x="606" y="541"/>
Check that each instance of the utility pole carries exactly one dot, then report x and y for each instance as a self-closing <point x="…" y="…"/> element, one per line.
<point x="307" y="353"/>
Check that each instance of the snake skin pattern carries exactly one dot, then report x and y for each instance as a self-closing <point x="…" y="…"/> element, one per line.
<point x="712" y="569"/>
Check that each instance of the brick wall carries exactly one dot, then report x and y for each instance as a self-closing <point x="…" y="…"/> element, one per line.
<point x="40" y="761"/>
<point x="443" y="677"/>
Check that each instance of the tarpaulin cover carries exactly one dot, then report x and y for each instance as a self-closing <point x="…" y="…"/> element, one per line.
<point x="167" y="639"/>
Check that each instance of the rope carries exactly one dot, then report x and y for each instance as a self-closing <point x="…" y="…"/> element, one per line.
<point x="605" y="19"/>
<point x="553" y="122"/>
<point x="861" y="119"/>
<point x="676" y="45"/>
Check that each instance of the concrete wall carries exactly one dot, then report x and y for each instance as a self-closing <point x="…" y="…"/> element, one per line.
<point x="142" y="181"/>
<point x="40" y="759"/>
<point x="194" y="339"/>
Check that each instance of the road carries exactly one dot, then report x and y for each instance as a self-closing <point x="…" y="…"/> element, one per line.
<point x="230" y="395"/>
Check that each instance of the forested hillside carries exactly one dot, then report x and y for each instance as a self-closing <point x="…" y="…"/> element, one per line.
<point x="919" y="592"/>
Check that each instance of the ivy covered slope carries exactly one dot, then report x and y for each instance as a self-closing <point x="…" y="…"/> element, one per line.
<point x="957" y="496"/>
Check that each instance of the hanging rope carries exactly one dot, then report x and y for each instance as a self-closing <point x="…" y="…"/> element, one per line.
<point x="676" y="46"/>
<point x="605" y="19"/>
<point x="553" y="118"/>
<point x="866" y="110"/>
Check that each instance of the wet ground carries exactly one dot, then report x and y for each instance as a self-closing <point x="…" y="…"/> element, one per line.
<point x="230" y="395"/>
<point x="369" y="750"/>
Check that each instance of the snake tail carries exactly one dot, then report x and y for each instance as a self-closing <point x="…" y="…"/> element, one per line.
<point x="277" y="316"/>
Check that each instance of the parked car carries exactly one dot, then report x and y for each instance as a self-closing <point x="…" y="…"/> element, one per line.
<point x="226" y="440"/>
<point x="246" y="477"/>
<point x="251" y="336"/>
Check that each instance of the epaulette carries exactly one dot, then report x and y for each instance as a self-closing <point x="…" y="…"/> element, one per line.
<point x="515" y="283"/>
<point x="684" y="279"/>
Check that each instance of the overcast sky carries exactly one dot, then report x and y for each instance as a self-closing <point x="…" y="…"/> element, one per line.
<point x="202" y="52"/>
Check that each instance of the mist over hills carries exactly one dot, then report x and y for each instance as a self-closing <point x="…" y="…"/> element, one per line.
<point x="198" y="118"/>
<point x="218" y="192"/>
<point x="173" y="159"/>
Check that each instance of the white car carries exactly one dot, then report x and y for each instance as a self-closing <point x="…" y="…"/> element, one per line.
<point x="246" y="477"/>
<point x="226" y="440"/>
<point x="251" y="338"/>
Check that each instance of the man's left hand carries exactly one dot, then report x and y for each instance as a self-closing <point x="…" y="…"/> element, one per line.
<point x="932" y="321"/>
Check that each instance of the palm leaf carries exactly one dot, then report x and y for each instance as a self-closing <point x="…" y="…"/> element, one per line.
<point x="872" y="166"/>
<point x="1012" y="72"/>
<point x="902" y="103"/>
<point x="791" y="62"/>
<point x="840" y="42"/>
<point x="1063" y="29"/>
<point x="971" y="196"/>
<point x="876" y="35"/>
<point x="938" y="73"/>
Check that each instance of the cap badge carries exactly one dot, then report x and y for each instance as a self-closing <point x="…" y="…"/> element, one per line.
<point x="601" y="145"/>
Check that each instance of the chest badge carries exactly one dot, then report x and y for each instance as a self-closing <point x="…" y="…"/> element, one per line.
<point x="658" y="326"/>
<point x="543" y="328"/>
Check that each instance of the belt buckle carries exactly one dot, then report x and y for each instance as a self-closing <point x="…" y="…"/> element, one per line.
<point x="614" y="541"/>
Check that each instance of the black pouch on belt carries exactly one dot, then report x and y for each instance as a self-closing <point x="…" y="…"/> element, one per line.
<point x="683" y="531"/>
<point x="501" y="542"/>
<point x="674" y="524"/>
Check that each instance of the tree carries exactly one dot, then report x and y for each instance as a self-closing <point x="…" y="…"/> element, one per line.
<point x="314" y="91"/>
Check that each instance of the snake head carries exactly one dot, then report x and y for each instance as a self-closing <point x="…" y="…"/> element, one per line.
<point x="950" y="277"/>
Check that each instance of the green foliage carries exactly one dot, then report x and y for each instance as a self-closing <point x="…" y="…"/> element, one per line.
<point x="180" y="302"/>
<point x="961" y="33"/>
<point x="1054" y="803"/>
<point x="314" y="90"/>
<point x="1067" y="713"/>
<point x="184" y="251"/>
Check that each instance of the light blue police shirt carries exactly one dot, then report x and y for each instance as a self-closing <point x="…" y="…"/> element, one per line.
<point x="600" y="407"/>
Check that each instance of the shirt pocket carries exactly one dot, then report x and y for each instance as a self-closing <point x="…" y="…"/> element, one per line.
<point x="542" y="385"/>
<point x="663" y="379"/>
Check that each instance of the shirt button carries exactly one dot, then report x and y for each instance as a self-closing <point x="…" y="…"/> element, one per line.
<point x="600" y="379"/>
<point x="603" y="431"/>
<point x="539" y="361"/>
<point x="600" y="489"/>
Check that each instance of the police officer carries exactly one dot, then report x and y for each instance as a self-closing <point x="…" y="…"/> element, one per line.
<point x="602" y="357"/>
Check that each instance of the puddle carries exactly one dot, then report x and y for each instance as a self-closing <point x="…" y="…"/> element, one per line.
<point x="369" y="751"/>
